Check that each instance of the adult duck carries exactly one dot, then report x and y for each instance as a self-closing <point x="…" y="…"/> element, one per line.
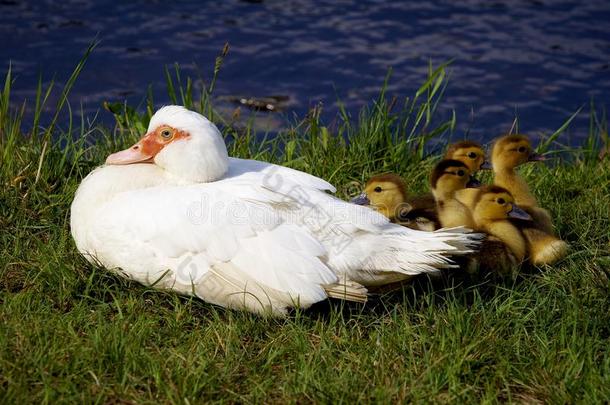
<point x="174" y="211"/>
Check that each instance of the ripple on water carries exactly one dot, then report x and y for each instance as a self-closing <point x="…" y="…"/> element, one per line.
<point x="538" y="59"/>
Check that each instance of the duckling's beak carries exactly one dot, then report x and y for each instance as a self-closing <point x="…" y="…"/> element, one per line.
<point x="362" y="199"/>
<point x="473" y="182"/>
<point x="536" y="157"/>
<point x="518" y="213"/>
<point x="486" y="165"/>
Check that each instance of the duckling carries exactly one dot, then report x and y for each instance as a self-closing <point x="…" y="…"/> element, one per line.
<point x="505" y="247"/>
<point x="422" y="219"/>
<point x="493" y="258"/>
<point x="449" y="176"/>
<point x="493" y="211"/>
<point x="387" y="193"/>
<point x="544" y="248"/>
<point x="472" y="155"/>
<point x="509" y="152"/>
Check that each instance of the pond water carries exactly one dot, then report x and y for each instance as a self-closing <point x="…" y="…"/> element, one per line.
<point x="539" y="60"/>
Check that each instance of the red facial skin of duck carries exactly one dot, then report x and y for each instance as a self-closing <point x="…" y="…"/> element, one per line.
<point x="147" y="148"/>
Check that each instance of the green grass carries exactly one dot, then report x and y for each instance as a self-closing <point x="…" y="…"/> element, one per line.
<point x="72" y="332"/>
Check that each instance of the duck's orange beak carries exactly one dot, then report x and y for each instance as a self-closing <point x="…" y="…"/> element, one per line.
<point x="142" y="152"/>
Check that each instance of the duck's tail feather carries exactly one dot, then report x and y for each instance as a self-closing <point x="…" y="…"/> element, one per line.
<point x="412" y="252"/>
<point x="347" y="290"/>
<point x="463" y="239"/>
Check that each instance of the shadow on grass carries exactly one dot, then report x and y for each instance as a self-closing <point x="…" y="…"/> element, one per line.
<point x="421" y="292"/>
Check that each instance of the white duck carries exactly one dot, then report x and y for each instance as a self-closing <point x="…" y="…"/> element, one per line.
<point x="175" y="211"/>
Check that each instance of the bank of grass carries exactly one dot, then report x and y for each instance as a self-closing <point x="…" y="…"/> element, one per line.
<point x="73" y="332"/>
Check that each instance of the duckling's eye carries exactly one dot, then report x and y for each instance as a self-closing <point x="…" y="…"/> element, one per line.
<point x="472" y="155"/>
<point x="378" y="189"/>
<point x="166" y="134"/>
<point x="522" y="149"/>
<point x="501" y="201"/>
<point x="461" y="173"/>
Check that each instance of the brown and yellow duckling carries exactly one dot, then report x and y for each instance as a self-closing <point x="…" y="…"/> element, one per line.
<point x="387" y="193"/>
<point x="448" y="177"/>
<point x="472" y="155"/>
<point x="508" y="153"/>
<point x="505" y="247"/>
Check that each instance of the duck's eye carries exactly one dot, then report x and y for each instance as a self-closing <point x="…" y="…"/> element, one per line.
<point x="166" y="134"/>
<point x="472" y="155"/>
<point x="461" y="173"/>
<point x="378" y="189"/>
<point x="522" y="149"/>
<point x="501" y="201"/>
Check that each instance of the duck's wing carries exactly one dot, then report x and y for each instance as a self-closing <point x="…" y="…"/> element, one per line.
<point x="275" y="177"/>
<point x="361" y="243"/>
<point x="222" y="241"/>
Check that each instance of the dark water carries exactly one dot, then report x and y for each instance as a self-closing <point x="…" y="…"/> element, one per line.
<point x="536" y="59"/>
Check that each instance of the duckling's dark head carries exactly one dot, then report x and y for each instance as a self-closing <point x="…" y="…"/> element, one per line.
<point x="448" y="176"/>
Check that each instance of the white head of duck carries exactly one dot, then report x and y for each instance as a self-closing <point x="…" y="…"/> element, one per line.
<point x="183" y="143"/>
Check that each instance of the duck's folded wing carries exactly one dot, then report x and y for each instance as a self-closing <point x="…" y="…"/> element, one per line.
<point x="275" y="177"/>
<point x="361" y="243"/>
<point x="176" y="237"/>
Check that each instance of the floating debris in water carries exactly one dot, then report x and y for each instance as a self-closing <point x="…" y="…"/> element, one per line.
<point x="267" y="103"/>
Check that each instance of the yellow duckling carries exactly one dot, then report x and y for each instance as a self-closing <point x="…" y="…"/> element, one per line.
<point x="509" y="152"/>
<point x="449" y="176"/>
<point x="472" y="155"/>
<point x="387" y="193"/>
<point x="493" y="211"/>
<point x="505" y="247"/>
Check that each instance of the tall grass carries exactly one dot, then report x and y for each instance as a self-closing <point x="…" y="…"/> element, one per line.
<point x="72" y="332"/>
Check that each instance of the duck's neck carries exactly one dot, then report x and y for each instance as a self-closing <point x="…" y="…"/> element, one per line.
<point x="510" y="235"/>
<point x="516" y="185"/>
<point x="104" y="183"/>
